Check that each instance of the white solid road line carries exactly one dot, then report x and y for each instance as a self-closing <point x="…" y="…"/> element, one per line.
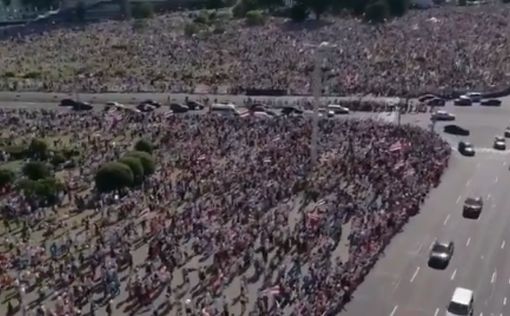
<point x="394" y="310"/>
<point x="493" y="278"/>
<point x="415" y="274"/>
<point x="468" y="241"/>
<point x="458" y="199"/>
<point x="446" y="220"/>
<point x="436" y="312"/>
<point x="489" y="196"/>
<point x="504" y="301"/>
<point x="503" y="245"/>
<point x="453" y="274"/>
<point x="496" y="180"/>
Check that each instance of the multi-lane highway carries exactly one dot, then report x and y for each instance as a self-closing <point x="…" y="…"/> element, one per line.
<point x="401" y="283"/>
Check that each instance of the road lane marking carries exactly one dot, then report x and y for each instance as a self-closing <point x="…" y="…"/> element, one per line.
<point x="503" y="245"/>
<point x="482" y="257"/>
<point x="504" y="301"/>
<point x="453" y="274"/>
<point x="436" y="312"/>
<point x="446" y="220"/>
<point x="415" y="274"/>
<point x="432" y="244"/>
<point x="496" y="180"/>
<point x="468" y="182"/>
<point x="488" y="196"/>
<point x="468" y="241"/>
<point x="493" y="278"/>
<point x="458" y="199"/>
<point x="394" y="310"/>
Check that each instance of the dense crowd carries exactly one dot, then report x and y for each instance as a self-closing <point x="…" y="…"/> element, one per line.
<point x="438" y="50"/>
<point x="234" y="221"/>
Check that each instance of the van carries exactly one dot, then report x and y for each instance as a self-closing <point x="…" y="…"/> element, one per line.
<point x="475" y="96"/>
<point x="338" y="109"/>
<point x="224" y="109"/>
<point x="461" y="303"/>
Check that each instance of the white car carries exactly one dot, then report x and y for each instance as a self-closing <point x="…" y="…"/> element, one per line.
<point x="461" y="303"/>
<point x="338" y="109"/>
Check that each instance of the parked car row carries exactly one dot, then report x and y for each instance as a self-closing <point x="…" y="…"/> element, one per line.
<point x="475" y="97"/>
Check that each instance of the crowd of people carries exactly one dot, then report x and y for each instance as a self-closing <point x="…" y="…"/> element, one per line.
<point x="236" y="219"/>
<point x="440" y="50"/>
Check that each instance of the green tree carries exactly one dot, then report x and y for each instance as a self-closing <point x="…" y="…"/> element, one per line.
<point x="146" y="159"/>
<point x="398" y="7"/>
<point x="142" y="10"/>
<point x="38" y="149"/>
<point x="47" y="189"/>
<point x="318" y="7"/>
<point x="243" y="6"/>
<point x="144" y="145"/>
<point x="35" y="170"/>
<point x="214" y="4"/>
<point x="6" y="177"/>
<point x="270" y="4"/>
<point x="255" y="17"/>
<point x="58" y="158"/>
<point x="135" y="164"/>
<point x="298" y="13"/>
<point x="16" y="151"/>
<point x="376" y="12"/>
<point x="113" y="176"/>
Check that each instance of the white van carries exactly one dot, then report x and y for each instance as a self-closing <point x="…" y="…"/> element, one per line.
<point x="224" y="109"/>
<point x="461" y="303"/>
<point x="475" y="96"/>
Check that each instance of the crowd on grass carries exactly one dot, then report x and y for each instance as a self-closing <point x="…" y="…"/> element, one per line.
<point x="438" y="50"/>
<point x="235" y="220"/>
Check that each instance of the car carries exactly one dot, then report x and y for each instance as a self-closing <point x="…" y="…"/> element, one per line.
<point x="194" y="105"/>
<point x="491" y="102"/>
<point x="456" y="130"/>
<point x="82" y="106"/>
<point x="288" y="110"/>
<point x="442" y="116"/>
<point x="436" y="102"/>
<point x="67" y="102"/>
<point x="178" y="108"/>
<point x="338" y="109"/>
<point x="472" y="207"/>
<point x="152" y="103"/>
<point x="461" y="303"/>
<point x="499" y="143"/>
<point x="507" y="131"/>
<point x="466" y="149"/>
<point x="440" y="255"/>
<point x="424" y="98"/>
<point x="474" y="96"/>
<point x="257" y="107"/>
<point x="331" y="114"/>
<point x="145" y="107"/>
<point x="463" y="102"/>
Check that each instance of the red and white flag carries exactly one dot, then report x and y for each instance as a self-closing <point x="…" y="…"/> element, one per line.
<point x="397" y="146"/>
<point x="275" y="290"/>
<point x="399" y="165"/>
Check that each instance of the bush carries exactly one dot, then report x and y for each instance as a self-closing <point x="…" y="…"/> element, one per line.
<point x="38" y="149"/>
<point x="58" y="158"/>
<point x="6" y="177"/>
<point x="255" y="17"/>
<point x="113" y="176"/>
<point x="214" y="4"/>
<point x="398" y="7"/>
<point x="36" y="170"/>
<point x="16" y="152"/>
<point x="135" y="164"/>
<point x="243" y="7"/>
<point x="299" y="13"/>
<point x="144" y="145"/>
<point x="202" y="18"/>
<point x="191" y="29"/>
<point x="376" y="12"/>
<point x="142" y="10"/>
<point x="146" y="160"/>
<point x="46" y="189"/>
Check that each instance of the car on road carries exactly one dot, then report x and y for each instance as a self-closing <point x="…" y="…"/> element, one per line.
<point x="442" y="116"/>
<point x="426" y="97"/>
<point x="440" y="254"/>
<point x="225" y="109"/>
<point x="474" y="96"/>
<point x="194" y="105"/>
<point x="145" y="107"/>
<point x="338" y="109"/>
<point x="331" y="114"/>
<point x="67" y="102"/>
<point x="463" y="102"/>
<point x="178" y="108"/>
<point x="466" y="149"/>
<point x="507" y="131"/>
<point x="258" y="107"/>
<point x="499" y="143"/>
<point x="456" y="130"/>
<point x="288" y="110"/>
<point x="82" y="106"/>
<point x="491" y="102"/>
<point x="461" y="303"/>
<point x="436" y="102"/>
<point x="472" y="207"/>
<point x="152" y="103"/>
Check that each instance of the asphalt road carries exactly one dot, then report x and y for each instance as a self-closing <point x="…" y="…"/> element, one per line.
<point x="401" y="283"/>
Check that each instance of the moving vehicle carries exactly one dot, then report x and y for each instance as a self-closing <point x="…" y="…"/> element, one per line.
<point x="82" y="106"/>
<point x="153" y="103"/>
<point x="442" y="116"/>
<point x="436" y="102"/>
<point x="194" y="105"/>
<point x="456" y="130"/>
<point x="461" y="303"/>
<point x="331" y="114"/>
<point x="440" y="255"/>
<point x="178" y="108"/>
<point x="338" y="109"/>
<point x="145" y="107"/>
<point x="288" y="110"/>
<point x="463" y="102"/>
<point x="257" y="107"/>
<point x="472" y="207"/>
<point x="474" y="96"/>
<point x="227" y="109"/>
<point x="491" y="102"/>
<point x="426" y="97"/>
<point x="67" y="102"/>
<point x="507" y="131"/>
<point x="466" y="149"/>
<point x="499" y="143"/>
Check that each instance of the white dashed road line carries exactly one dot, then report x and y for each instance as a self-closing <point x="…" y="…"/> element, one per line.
<point x="394" y="310"/>
<point x="436" y="312"/>
<point x="415" y="274"/>
<point x="468" y="241"/>
<point x="493" y="278"/>
<point x="503" y="245"/>
<point x="453" y="274"/>
<point x="458" y="200"/>
<point x="446" y="219"/>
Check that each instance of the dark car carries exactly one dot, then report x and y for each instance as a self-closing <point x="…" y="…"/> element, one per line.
<point x="463" y="102"/>
<point x="472" y="207"/>
<point x="491" y="102"/>
<point x="442" y="116"/>
<point x="466" y="149"/>
<point x="426" y="97"/>
<point x="456" y="130"/>
<point x="178" y="108"/>
<point x="82" y="106"/>
<point x="499" y="143"/>
<point x="440" y="255"/>
<point x="194" y="105"/>
<point x="287" y="110"/>
<point x="152" y="103"/>
<point x="507" y="132"/>
<point x="146" y="107"/>
<point x="257" y="107"/>
<point x="67" y="102"/>
<point x="436" y="102"/>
